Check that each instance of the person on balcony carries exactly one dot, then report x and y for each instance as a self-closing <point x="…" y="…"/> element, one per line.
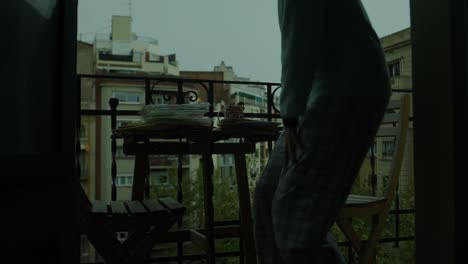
<point x="335" y="89"/>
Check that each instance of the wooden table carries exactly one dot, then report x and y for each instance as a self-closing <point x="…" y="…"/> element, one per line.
<point x="142" y="143"/>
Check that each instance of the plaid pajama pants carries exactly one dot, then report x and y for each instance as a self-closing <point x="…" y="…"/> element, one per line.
<point x="296" y="205"/>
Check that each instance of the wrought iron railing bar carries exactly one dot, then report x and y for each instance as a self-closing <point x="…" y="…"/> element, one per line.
<point x="113" y="103"/>
<point x="180" y="93"/>
<point x="270" y="113"/>
<point x="180" y="199"/>
<point x="211" y="99"/>
<point x="373" y="174"/>
<point x="148" y="97"/>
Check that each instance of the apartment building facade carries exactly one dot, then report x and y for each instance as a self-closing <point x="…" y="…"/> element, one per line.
<point x="397" y="48"/>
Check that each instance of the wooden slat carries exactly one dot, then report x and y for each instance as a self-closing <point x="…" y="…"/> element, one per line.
<point x="136" y="208"/>
<point x="355" y="199"/>
<point x="388" y="132"/>
<point x="155" y="208"/>
<point x="100" y="208"/>
<point x="118" y="208"/>
<point x="171" y="204"/>
<point x="175" y="207"/>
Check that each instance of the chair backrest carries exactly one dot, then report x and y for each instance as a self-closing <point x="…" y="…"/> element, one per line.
<point x="395" y="124"/>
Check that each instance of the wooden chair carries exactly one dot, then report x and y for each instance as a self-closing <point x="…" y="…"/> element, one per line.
<point x="395" y="125"/>
<point x="145" y="221"/>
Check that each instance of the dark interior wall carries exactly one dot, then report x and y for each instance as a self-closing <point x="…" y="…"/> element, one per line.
<point x="39" y="103"/>
<point x="439" y="37"/>
<point x="30" y="83"/>
<point x="459" y="21"/>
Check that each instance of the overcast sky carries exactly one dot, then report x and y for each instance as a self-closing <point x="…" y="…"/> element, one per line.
<point x="243" y="33"/>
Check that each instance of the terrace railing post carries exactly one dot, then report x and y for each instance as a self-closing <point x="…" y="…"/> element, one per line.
<point x="373" y="175"/>
<point x="148" y="97"/>
<point x="269" y="112"/>
<point x="211" y="99"/>
<point x="113" y="103"/>
<point x="180" y="199"/>
<point x="180" y="92"/>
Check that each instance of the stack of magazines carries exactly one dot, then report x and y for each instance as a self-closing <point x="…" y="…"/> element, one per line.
<point x="173" y="116"/>
<point x="177" y="115"/>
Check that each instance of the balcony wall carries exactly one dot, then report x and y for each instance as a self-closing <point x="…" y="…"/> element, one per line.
<point x="401" y="82"/>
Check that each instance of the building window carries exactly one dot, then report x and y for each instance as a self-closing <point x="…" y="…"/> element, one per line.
<point x="159" y="177"/>
<point x="387" y="148"/>
<point x="394" y="68"/>
<point x="124" y="180"/>
<point x="137" y="56"/>
<point x="127" y="97"/>
<point x="106" y="55"/>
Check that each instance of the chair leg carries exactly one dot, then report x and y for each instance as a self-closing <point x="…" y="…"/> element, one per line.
<point x="346" y="226"/>
<point x="368" y="254"/>
<point x="247" y="236"/>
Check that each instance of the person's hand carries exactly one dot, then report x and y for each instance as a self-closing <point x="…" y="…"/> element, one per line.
<point x="291" y="144"/>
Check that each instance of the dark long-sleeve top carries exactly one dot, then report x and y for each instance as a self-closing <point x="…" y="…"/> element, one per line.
<point x="323" y="39"/>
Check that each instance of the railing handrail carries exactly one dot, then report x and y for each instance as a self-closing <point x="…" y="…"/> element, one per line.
<point x="172" y="79"/>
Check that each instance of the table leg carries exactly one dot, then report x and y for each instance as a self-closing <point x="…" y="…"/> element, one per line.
<point x="245" y="208"/>
<point x="139" y="176"/>
<point x="208" y="203"/>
